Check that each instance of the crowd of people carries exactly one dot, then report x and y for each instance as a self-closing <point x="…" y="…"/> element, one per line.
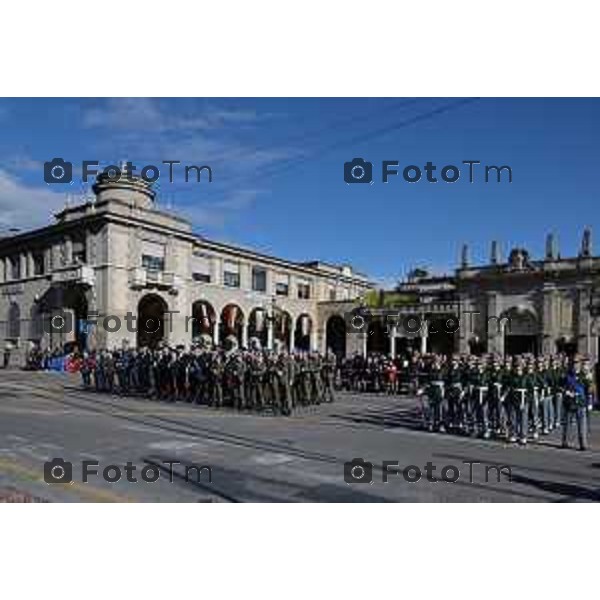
<point x="242" y="379"/>
<point x="376" y="373"/>
<point x="515" y="399"/>
<point x="46" y="360"/>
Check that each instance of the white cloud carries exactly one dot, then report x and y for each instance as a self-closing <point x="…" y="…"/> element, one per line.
<point x="145" y="114"/>
<point x="142" y="128"/>
<point x="23" y="206"/>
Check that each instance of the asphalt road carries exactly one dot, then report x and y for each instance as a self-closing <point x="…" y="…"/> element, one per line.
<point x="263" y="458"/>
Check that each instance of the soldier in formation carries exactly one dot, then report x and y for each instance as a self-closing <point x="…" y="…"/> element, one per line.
<point x="517" y="400"/>
<point x="243" y="379"/>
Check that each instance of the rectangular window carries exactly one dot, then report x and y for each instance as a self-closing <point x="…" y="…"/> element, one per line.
<point x="38" y="263"/>
<point x="259" y="279"/>
<point x="153" y="263"/>
<point x="231" y="279"/>
<point x="231" y="274"/>
<point x="202" y="277"/>
<point x="282" y="289"/>
<point x="201" y="267"/>
<point x="153" y="255"/>
<point x="303" y="290"/>
<point x="79" y="256"/>
<point x="282" y="284"/>
<point x="332" y="294"/>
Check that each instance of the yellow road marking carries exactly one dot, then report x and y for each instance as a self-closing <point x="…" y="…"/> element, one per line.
<point x="91" y="493"/>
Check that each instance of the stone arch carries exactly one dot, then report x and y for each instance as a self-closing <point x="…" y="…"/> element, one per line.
<point x="203" y="320"/>
<point x="257" y="327"/>
<point x="335" y="335"/>
<point x="151" y="320"/>
<point x="232" y="323"/>
<point x="521" y="331"/>
<point x="282" y="328"/>
<point x="64" y="309"/>
<point x="303" y="332"/>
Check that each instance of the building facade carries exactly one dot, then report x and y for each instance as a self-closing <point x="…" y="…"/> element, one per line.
<point x="508" y="306"/>
<point x="116" y="272"/>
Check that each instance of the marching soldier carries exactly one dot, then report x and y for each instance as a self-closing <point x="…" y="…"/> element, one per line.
<point x="535" y="384"/>
<point x="237" y="380"/>
<point x="434" y="405"/>
<point x="497" y="383"/>
<point x="257" y="374"/>
<point x="575" y="405"/>
<point x="328" y="374"/>
<point x="121" y="369"/>
<point x="479" y="417"/>
<point x="521" y="392"/>
<point x="215" y="379"/>
<point x="108" y="367"/>
<point x="454" y="393"/>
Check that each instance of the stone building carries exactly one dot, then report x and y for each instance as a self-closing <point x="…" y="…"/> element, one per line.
<point x="513" y="306"/>
<point x="538" y="306"/>
<point x="116" y="272"/>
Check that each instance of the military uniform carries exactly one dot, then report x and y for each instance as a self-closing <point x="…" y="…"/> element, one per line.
<point x="478" y="406"/>
<point x="434" y="399"/>
<point x="575" y="408"/>
<point x="521" y="392"/>
<point x="453" y="379"/>
<point x="328" y="375"/>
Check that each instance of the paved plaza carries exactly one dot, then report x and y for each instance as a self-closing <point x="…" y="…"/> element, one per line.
<point x="263" y="458"/>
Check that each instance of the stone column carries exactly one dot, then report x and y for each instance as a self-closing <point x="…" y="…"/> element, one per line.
<point x="23" y="265"/>
<point x="424" y="334"/>
<point x="584" y="324"/>
<point x="292" y="337"/>
<point x="270" y="332"/>
<point x="30" y="267"/>
<point x="549" y="320"/>
<point x="245" y="335"/>
<point x="393" y="333"/>
<point x="216" y="328"/>
<point x="463" y="333"/>
<point x="494" y="335"/>
<point x="68" y="250"/>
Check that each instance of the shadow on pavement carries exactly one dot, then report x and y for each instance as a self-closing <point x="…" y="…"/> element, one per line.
<point x="234" y="485"/>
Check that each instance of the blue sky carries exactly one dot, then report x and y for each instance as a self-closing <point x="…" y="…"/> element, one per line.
<point x="278" y="171"/>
